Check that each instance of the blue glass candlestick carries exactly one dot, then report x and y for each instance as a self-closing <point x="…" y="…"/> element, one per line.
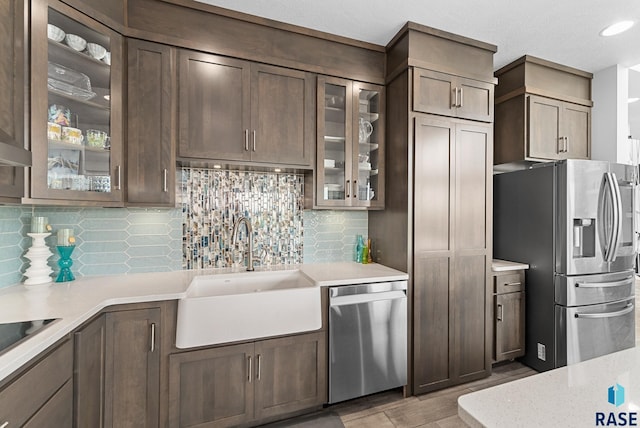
<point x="65" y="263"/>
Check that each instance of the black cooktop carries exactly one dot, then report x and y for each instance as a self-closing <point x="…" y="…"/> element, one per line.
<point x="13" y="332"/>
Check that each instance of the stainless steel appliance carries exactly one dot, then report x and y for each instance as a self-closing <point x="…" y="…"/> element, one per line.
<point x="367" y="339"/>
<point x="572" y="221"/>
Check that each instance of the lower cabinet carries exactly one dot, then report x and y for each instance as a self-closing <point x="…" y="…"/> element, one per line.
<point x="509" y="315"/>
<point x="240" y="384"/>
<point x="117" y="370"/>
<point x="42" y="396"/>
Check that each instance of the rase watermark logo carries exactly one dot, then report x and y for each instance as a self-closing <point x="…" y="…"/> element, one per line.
<point x="615" y="396"/>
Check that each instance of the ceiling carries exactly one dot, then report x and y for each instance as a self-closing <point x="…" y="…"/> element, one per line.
<point x="565" y="32"/>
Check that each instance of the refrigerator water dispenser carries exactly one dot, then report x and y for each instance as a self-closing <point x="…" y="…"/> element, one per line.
<point x="584" y="237"/>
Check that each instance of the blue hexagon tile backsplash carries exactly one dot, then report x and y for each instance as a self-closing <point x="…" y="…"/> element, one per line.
<point x="131" y="240"/>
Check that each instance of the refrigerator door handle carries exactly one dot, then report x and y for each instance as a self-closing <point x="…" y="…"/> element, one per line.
<point x="630" y="307"/>
<point x="617" y="216"/>
<point x="608" y="189"/>
<point x="624" y="281"/>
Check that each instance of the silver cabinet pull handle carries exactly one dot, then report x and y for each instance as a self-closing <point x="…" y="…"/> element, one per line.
<point x="152" y="348"/>
<point x="355" y="188"/>
<point x="512" y="284"/>
<point x="500" y="312"/>
<point x="348" y="188"/>
<point x="164" y="180"/>
<point x="246" y="140"/>
<point x="117" y="186"/>
<point x="566" y="144"/>
<point x="454" y="103"/>
<point x="461" y="98"/>
<point x="249" y="369"/>
<point x="560" y="147"/>
<point x="254" y="140"/>
<point x="259" y="370"/>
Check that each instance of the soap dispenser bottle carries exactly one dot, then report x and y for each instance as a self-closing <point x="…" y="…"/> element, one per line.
<point x="359" y="248"/>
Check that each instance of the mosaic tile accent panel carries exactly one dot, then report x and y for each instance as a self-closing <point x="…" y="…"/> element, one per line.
<point x="330" y="236"/>
<point x="109" y="240"/>
<point x="213" y="200"/>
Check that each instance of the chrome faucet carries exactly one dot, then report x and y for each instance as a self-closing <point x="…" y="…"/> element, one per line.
<point x="236" y="226"/>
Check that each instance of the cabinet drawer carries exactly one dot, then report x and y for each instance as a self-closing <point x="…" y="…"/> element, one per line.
<point x="22" y="398"/>
<point x="509" y="283"/>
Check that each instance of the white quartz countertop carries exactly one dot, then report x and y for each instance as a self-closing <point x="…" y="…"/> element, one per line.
<point x="76" y="301"/>
<point x="565" y="397"/>
<point x="505" y="265"/>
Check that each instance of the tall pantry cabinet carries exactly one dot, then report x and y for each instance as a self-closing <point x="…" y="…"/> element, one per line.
<point x="437" y="222"/>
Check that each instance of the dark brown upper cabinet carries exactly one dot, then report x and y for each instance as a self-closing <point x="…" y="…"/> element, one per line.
<point x="542" y="112"/>
<point x="350" y="145"/>
<point x="237" y="111"/>
<point x="151" y="134"/>
<point x="452" y="96"/>
<point x="76" y="111"/>
<point x="13" y="27"/>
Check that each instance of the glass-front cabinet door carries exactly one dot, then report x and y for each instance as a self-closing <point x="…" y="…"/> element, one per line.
<point x="76" y="114"/>
<point x="350" y="161"/>
<point x="368" y="158"/>
<point x="334" y="142"/>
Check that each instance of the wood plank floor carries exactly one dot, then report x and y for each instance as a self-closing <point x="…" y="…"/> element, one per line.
<point x="435" y="410"/>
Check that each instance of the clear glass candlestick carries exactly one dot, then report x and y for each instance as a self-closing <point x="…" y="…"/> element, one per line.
<point x="65" y="263"/>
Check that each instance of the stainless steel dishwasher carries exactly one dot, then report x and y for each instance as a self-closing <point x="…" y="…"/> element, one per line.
<point x="367" y="339"/>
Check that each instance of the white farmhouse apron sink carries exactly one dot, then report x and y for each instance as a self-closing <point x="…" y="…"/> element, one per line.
<point x="249" y="305"/>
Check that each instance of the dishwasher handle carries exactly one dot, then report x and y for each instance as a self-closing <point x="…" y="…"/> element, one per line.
<point x="356" y="299"/>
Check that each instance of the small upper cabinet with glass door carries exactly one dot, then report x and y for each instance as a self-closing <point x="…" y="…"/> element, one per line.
<point x="350" y="161"/>
<point x="76" y="123"/>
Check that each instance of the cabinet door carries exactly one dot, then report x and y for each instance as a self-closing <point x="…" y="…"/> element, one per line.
<point x="21" y="399"/>
<point x="13" y="27"/>
<point x="214" y="98"/>
<point x="282" y="115"/>
<point x="151" y="162"/>
<point x="434" y="92"/>
<point x="88" y="371"/>
<point x="432" y="341"/>
<point x="544" y="131"/>
<point x="290" y="374"/>
<point x="132" y="368"/>
<point x="335" y="131"/>
<point x="576" y="126"/>
<point x="475" y="100"/>
<point x="368" y="145"/>
<point x="76" y="129"/>
<point x="470" y="291"/>
<point x="509" y="326"/>
<point x="211" y="387"/>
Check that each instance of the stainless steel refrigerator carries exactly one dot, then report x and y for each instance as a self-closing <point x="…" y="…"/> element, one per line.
<point x="572" y="221"/>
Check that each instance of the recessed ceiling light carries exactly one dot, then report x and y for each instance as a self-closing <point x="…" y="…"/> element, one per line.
<point x="217" y="166"/>
<point x="633" y="100"/>
<point x="616" y="28"/>
<point x="277" y="170"/>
